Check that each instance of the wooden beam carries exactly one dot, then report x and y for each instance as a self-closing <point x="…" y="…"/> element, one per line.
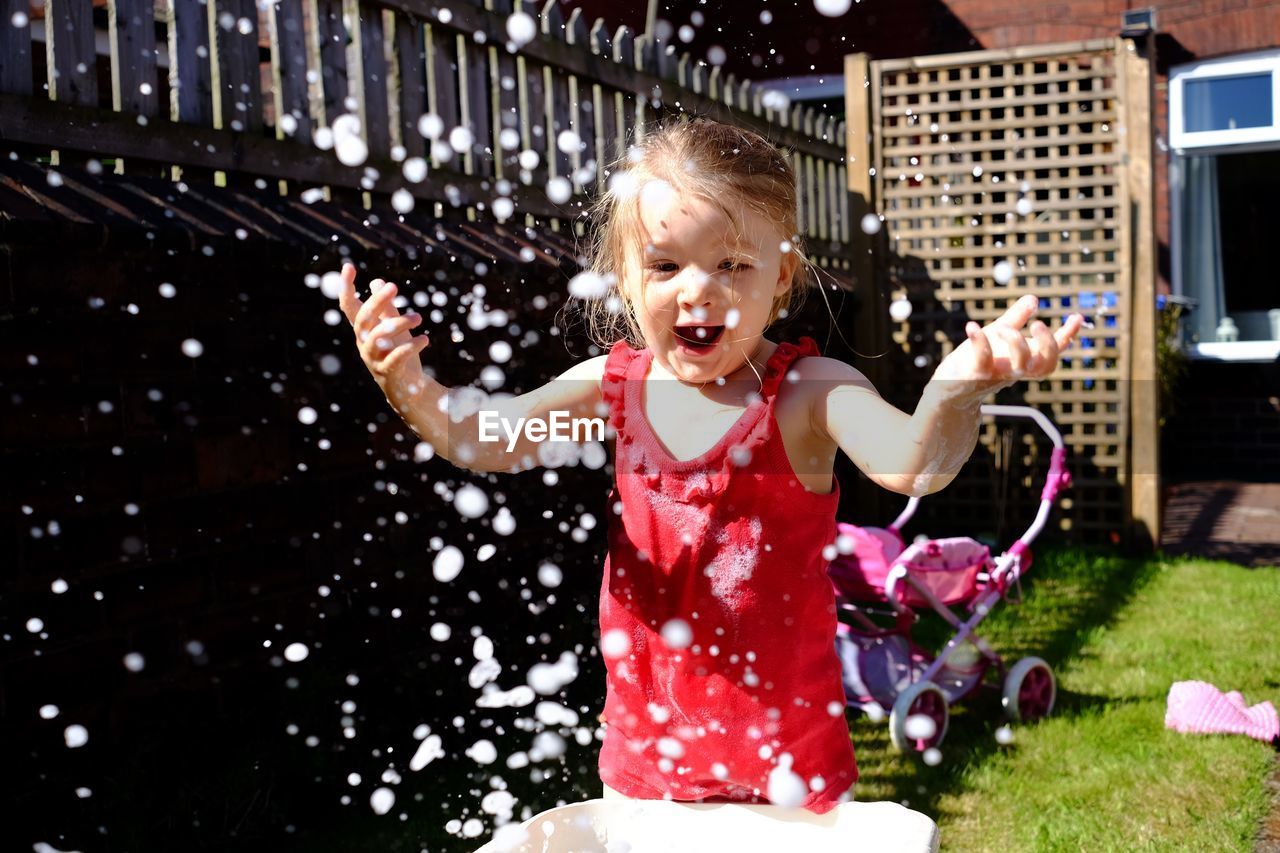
<point x="109" y="134"/>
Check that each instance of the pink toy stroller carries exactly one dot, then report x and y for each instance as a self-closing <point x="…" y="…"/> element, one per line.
<point x="883" y="668"/>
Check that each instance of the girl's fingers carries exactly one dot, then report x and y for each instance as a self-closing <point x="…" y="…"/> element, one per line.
<point x="1068" y="330"/>
<point x="982" y="355"/>
<point x="378" y="285"/>
<point x="395" y="325"/>
<point x="1017" y="315"/>
<point x="1019" y="353"/>
<point x="1045" y="354"/>
<point x="348" y="302"/>
<point x="394" y="358"/>
<point x="374" y="307"/>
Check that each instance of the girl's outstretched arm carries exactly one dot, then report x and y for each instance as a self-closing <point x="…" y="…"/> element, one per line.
<point x="922" y="453"/>
<point x="473" y="431"/>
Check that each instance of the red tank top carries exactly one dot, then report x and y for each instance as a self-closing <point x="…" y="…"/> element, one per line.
<point x="729" y="546"/>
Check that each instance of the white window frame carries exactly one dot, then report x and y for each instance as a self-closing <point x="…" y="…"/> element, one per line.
<point x="1230" y="66"/>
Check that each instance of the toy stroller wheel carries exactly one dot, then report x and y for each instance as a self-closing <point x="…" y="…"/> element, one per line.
<point x="922" y="699"/>
<point x="1029" y="690"/>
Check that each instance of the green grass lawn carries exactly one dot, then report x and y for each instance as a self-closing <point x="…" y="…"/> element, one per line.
<point x="1103" y="773"/>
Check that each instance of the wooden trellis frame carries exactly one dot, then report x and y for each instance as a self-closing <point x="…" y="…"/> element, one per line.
<point x="952" y="145"/>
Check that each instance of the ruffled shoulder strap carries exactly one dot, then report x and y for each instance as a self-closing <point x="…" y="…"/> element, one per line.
<point x="614" y="380"/>
<point x="780" y="362"/>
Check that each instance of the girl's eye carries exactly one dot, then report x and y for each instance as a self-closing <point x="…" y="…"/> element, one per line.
<point x="734" y="265"/>
<point x="663" y="266"/>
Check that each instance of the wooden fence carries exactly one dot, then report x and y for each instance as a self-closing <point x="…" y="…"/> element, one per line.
<point x="231" y="86"/>
<point x="1003" y="172"/>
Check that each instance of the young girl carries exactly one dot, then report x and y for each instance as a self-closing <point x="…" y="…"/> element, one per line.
<point x="717" y="620"/>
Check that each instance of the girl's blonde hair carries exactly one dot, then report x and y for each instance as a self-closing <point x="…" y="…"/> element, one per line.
<point x="735" y="169"/>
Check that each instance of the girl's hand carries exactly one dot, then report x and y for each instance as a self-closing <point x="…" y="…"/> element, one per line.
<point x="997" y="355"/>
<point x="382" y="335"/>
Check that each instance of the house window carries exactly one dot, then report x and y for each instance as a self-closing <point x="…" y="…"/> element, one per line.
<point x="1224" y="128"/>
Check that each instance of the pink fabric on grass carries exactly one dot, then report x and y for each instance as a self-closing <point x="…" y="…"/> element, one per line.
<point x="1197" y="707"/>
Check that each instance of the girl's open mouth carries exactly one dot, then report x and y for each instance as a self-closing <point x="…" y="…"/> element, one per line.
<point x="697" y="338"/>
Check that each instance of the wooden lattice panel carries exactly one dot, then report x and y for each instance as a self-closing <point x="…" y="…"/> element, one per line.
<point x="1000" y="173"/>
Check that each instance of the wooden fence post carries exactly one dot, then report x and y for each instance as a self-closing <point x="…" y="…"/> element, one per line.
<point x="1143" y="528"/>
<point x="869" y="332"/>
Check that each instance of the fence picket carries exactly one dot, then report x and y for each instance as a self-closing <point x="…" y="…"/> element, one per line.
<point x="508" y="104"/>
<point x="582" y="96"/>
<point x="15" y="48"/>
<point x="290" y="92"/>
<point x="556" y="83"/>
<point x="190" y="89"/>
<point x="646" y="54"/>
<point x="233" y="65"/>
<point x="664" y="59"/>
<point x="373" y="77"/>
<point x="820" y="200"/>
<point x="412" y="74"/>
<point x="698" y="77"/>
<point x="477" y="112"/>
<point x="131" y="29"/>
<point x="333" y="57"/>
<point x="442" y="79"/>
<point x="533" y="108"/>
<point x="73" y="69"/>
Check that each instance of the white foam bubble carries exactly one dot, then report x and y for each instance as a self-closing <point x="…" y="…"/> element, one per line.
<point x="75" y="735"/>
<point x="382" y="799"/>
<point x="785" y="787"/>
<point x="559" y="190"/>
<point x="615" y="643"/>
<point x="920" y="727"/>
<point x="1002" y="273"/>
<point x="521" y="28"/>
<point x="471" y="501"/>
<point x="483" y="752"/>
<point x="588" y="285"/>
<point x="677" y="634"/>
<point x="447" y="564"/>
<point x="832" y="8"/>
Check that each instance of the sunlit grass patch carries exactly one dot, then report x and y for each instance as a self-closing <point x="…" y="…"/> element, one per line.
<point x="1103" y="772"/>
